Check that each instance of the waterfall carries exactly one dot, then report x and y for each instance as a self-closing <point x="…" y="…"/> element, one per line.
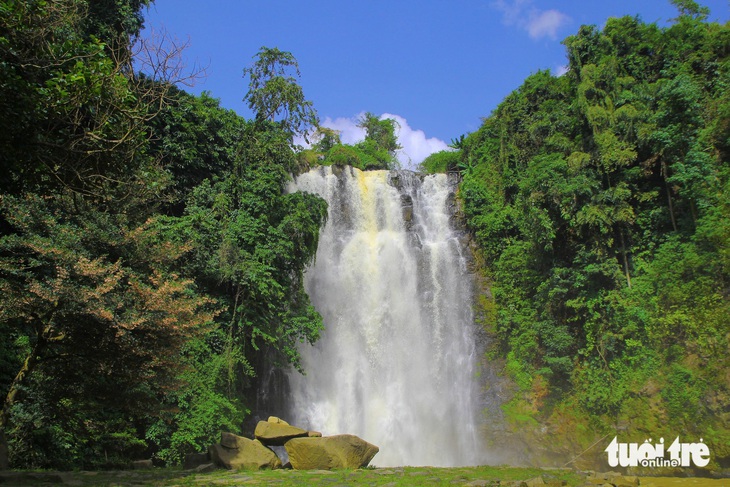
<point x="396" y="363"/>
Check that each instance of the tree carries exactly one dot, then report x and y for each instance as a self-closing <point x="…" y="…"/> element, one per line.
<point x="440" y="162"/>
<point x="73" y="109"/>
<point x="380" y="131"/>
<point x="690" y="8"/>
<point x="249" y="243"/>
<point x="598" y="202"/>
<point x="85" y="292"/>
<point x="381" y="141"/>
<point x="92" y="299"/>
<point x="326" y="138"/>
<point x="274" y="94"/>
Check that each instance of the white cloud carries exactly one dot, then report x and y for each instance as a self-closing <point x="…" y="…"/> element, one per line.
<point x="560" y="70"/>
<point x="546" y="24"/>
<point x="416" y="146"/>
<point x="512" y="11"/>
<point x="538" y="23"/>
<point x="350" y="133"/>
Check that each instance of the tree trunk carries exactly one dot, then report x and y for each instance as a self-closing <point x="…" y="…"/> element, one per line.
<point x="30" y="363"/>
<point x="4" y="461"/>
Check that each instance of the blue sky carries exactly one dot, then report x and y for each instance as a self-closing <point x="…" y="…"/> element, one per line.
<point x="438" y="66"/>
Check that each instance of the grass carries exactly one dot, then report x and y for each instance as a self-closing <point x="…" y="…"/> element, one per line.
<point x="387" y="477"/>
<point x="390" y="477"/>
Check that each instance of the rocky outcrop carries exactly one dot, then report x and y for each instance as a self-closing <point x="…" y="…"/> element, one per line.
<point x="611" y="479"/>
<point x="306" y="449"/>
<point x="236" y="452"/>
<point x="324" y="453"/>
<point x="276" y="433"/>
<point x="194" y="460"/>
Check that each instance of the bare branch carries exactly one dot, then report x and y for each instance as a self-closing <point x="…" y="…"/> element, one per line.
<point x="159" y="57"/>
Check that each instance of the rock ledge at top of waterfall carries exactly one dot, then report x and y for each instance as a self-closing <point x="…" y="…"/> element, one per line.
<point x="307" y="450"/>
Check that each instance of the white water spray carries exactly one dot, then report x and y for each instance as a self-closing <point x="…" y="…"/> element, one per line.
<point x="396" y="363"/>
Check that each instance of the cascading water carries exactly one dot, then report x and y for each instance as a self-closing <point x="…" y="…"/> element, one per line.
<point x="396" y="363"/>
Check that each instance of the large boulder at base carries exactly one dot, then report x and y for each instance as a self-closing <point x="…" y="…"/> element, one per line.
<point x="194" y="460"/>
<point x="324" y="453"/>
<point x="277" y="433"/>
<point x="236" y="452"/>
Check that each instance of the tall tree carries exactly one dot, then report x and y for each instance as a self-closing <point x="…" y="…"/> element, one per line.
<point x="84" y="289"/>
<point x="381" y="141"/>
<point x="274" y="93"/>
<point x="120" y="315"/>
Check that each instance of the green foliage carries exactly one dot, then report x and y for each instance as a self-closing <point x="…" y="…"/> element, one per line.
<point x="103" y="316"/>
<point x="354" y="156"/>
<point x="344" y="155"/>
<point x="376" y="151"/>
<point x="60" y="434"/>
<point x="249" y="243"/>
<point x="326" y="139"/>
<point x="440" y="162"/>
<point x="204" y="406"/>
<point x="683" y="395"/>
<point x="381" y="142"/>
<point x="598" y="200"/>
<point x="195" y="140"/>
<point x="71" y="112"/>
<point x="381" y="132"/>
<point x="274" y="94"/>
<point x="151" y="261"/>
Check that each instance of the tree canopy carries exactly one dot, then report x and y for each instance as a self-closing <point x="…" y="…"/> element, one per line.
<point x="376" y="151"/>
<point x="150" y="257"/>
<point x="599" y="202"/>
<point x="274" y="93"/>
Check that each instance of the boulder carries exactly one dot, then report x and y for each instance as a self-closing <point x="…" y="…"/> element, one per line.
<point x="194" y="460"/>
<point x="205" y="468"/>
<point x="325" y="453"/>
<point x="236" y="452"/>
<point x="142" y="464"/>
<point x="271" y="433"/>
<point x="229" y="440"/>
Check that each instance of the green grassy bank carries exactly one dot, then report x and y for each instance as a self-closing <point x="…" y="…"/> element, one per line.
<point x="391" y="477"/>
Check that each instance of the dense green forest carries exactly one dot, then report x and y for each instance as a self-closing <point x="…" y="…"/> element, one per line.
<point x="600" y="203"/>
<point x="149" y="256"/>
<point x="151" y="261"/>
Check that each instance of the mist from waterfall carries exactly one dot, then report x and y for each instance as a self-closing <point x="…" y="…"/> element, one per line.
<point x="397" y="361"/>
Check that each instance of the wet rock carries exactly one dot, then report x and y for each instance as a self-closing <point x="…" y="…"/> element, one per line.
<point x="236" y="452"/>
<point x="205" y="468"/>
<point x="407" y="206"/>
<point x="337" y="169"/>
<point x="194" y="460"/>
<point x="340" y="451"/>
<point x="277" y="433"/>
<point x="613" y="479"/>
